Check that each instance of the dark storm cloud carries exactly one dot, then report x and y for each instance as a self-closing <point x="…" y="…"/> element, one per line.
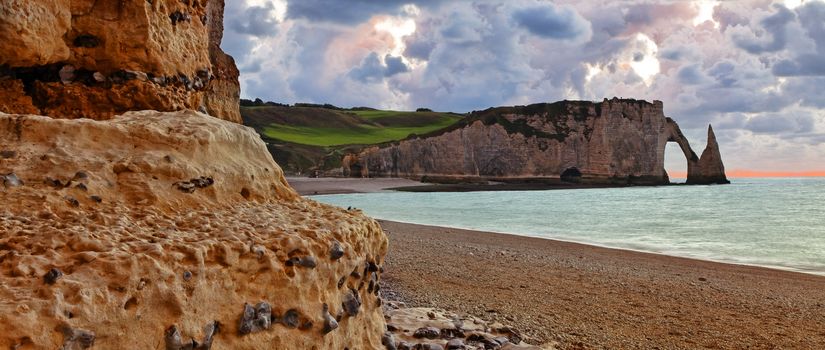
<point x="549" y="21"/>
<point x="805" y="64"/>
<point x="373" y="70"/>
<point x="691" y="75"/>
<point x="780" y="123"/>
<point x="257" y="21"/>
<point x="348" y="12"/>
<point x="812" y="19"/>
<point x="395" y="65"/>
<point x="773" y="26"/>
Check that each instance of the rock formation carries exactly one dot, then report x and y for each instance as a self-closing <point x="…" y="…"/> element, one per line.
<point x="153" y="230"/>
<point x="709" y="169"/>
<point x="97" y="59"/>
<point x="164" y="228"/>
<point x="615" y="141"/>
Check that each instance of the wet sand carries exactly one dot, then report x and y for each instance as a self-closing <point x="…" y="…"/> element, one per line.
<point x="334" y="185"/>
<point x="307" y="186"/>
<point x="582" y="296"/>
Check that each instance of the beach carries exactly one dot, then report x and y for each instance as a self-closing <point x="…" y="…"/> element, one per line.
<point x="587" y="297"/>
<point x="578" y="296"/>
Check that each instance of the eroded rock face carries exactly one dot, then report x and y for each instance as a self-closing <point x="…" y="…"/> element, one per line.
<point x="615" y="141"/>
<point x="96" y="59"/>
<point x="99" y="247"/>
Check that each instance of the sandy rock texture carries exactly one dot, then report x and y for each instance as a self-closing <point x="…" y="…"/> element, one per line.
<point x="127" y="234"/>
<point x="97" y="59"/>
<point x="614" y="141"/>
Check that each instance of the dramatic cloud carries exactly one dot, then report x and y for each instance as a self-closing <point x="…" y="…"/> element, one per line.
<point x="372" y="68"/>
<point x="771" y="36"/>
<point x="553" y="22"/>
<point x="755" y="69"/>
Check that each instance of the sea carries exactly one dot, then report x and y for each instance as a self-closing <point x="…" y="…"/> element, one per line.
<point x="777" y="222"/>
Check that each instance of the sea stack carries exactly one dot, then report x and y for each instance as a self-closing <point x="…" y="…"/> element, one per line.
<point x="170" y="227"/>
<point x="709" y="169"/>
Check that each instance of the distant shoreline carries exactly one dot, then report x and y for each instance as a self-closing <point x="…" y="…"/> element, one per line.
<point x="307" y="186"/>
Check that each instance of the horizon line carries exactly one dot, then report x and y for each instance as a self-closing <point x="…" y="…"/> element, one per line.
<point x="746" y="173"/>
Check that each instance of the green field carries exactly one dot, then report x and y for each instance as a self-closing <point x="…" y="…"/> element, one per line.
<point x="320" y="127"/>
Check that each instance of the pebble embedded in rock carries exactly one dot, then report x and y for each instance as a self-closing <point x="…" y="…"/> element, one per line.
<point x="52" y="276"/>
<point x="341" y="282"/>
<point x="81" y="187"/>
<point x="336" y="251"/>
<point x="329" y="322"/>
<point x="99" y="77"/>
<point x="11" y="180"/>
<point x="171" y="337"/>
<point x="54" y="183"/>
<point x="72" y="201"/>
<point x="77" y="339"/>
<point x="308" y="262"/>
<point x="97" y="199"/>
<point x="351" y="303"/>
<point x="255" y="319"/>
<point x="66" y="74"/>
<point x="209" y="333"/>
<point x="187" y="275"/>
<point x="402" y="345"/>
<point x="292" y="261"/>
<point x="427" y="332"/>
<point x="290" y="319"/>
<point x="263" y="315"/>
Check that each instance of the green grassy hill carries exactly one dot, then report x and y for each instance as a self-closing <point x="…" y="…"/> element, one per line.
<point x="304" y="139"/>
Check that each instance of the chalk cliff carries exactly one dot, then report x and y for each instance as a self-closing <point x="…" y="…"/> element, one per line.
<point x="615" y="141"/>
<point x="96" y="59"/>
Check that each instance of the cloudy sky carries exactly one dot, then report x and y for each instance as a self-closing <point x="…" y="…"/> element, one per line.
<point x="754" y="69"/>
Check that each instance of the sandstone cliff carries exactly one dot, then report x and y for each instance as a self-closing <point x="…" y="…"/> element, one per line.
<point x="128" y="234"/>
<point x="96" y="59"/>
<point x="615" y="141"/>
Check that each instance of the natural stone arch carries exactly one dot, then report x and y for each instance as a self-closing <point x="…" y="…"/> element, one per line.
<point x="705" y="170"/>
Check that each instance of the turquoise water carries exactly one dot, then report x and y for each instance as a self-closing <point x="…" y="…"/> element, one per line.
<point x="777" y="223"/>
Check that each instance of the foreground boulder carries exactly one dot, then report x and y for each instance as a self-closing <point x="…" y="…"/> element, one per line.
<point x="177" y="231"/>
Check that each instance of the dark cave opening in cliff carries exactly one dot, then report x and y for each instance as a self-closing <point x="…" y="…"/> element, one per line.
<point x="675" y="163"/>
